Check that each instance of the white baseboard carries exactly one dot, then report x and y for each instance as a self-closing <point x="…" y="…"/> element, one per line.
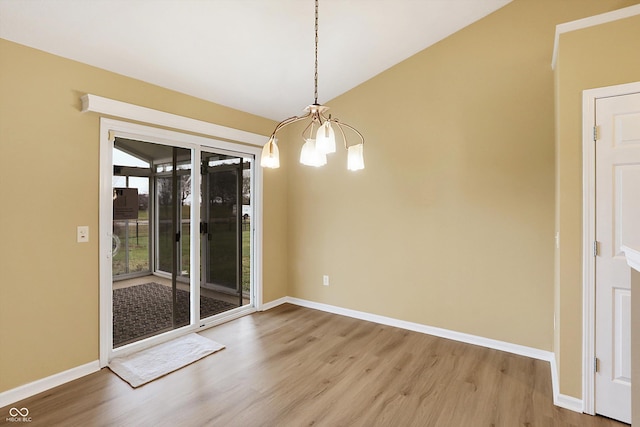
<point x="271" y="304"/>
<point x="555" y="381"/>
<point x="16" y="394"/>
<point x="429" y="330"/>
<point x="560" y="400"/>
<point x="568" y="402"/>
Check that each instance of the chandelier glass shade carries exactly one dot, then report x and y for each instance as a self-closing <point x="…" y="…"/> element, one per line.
<point x="319" y="135"/>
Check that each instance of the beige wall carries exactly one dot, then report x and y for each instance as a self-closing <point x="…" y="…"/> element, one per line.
<point x="452" y="222"/>
<point x="49" y="181"/>
<point x="599" y="56"/>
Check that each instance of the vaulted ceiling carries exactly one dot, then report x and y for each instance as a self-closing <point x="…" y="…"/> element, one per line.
<point x="252" y="55"/>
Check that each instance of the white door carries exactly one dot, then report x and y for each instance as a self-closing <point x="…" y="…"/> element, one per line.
<point x="617" y="224"/>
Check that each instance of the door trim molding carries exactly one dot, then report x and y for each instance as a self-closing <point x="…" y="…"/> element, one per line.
<point x="589" y="98"/>
<point x="590" y="21"/>
<point x="123" y="110"/>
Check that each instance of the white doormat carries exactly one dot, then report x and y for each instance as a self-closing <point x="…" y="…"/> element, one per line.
<point x="147" y="365"/>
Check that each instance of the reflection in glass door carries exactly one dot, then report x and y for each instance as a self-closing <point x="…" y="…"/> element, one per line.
<point x="226" y="230"/>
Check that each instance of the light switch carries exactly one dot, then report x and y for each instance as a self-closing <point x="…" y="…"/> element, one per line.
<point x="83" y="233"/>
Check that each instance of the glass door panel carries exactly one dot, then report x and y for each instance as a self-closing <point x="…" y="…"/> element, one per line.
<point x="173" y="199"/>
<point x="226" y="232"/>
<point x="151" y="294"/>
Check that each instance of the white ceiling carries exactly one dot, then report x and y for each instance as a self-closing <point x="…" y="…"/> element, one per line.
<point x="253" y="55"/>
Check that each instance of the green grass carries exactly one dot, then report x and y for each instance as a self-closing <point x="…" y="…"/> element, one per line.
<point x="138" y="248"/>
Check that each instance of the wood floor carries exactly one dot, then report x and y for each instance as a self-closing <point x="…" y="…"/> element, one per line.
<point x="293" y="366"/>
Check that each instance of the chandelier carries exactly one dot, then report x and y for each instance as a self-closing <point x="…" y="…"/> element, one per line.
<point x="319" y="135"/>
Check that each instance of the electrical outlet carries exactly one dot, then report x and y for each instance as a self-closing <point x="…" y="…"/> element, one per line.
<point x="325" y="280"/>
<point x="83" y="233"/>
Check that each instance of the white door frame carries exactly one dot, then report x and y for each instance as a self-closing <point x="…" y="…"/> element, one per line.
<point x="589" y="98"/>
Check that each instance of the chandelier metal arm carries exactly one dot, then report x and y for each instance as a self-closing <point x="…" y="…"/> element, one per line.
<point x="287" y="122"/>
<point x="309" y="129"/>
<point x="344" y="138"/>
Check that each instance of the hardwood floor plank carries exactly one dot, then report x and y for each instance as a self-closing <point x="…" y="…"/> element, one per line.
<point x="293" y="366"/>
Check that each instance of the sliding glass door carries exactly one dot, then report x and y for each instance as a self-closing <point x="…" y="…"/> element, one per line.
<point x="155" y="269"/>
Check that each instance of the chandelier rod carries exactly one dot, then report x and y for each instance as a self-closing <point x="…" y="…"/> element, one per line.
<point x="315" y="78"/>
